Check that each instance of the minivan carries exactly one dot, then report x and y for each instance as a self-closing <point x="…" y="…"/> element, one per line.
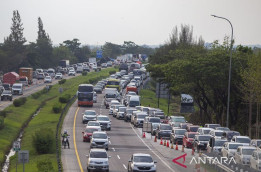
<point x="17" y="88"/>
<point x="134" y="101"/>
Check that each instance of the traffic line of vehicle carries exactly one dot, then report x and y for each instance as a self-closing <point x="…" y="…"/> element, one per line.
<point x="118" y="157"/>
<point x="152" y="150"/>
<point x="74" y="142"/>
<point x="113" y="149"/>
<point x="124" y="166"/>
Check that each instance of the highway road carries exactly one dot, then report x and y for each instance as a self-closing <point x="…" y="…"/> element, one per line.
<point x="124" y="141"/>
<point x="28" y="90"/>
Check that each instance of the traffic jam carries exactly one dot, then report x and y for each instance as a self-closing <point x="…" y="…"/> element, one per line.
<point x="121" y="98"/>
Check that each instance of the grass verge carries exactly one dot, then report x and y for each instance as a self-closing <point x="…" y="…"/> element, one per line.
<point x="18" y="116"/>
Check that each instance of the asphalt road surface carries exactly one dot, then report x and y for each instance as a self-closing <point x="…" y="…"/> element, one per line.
<point x="124" y="141"/>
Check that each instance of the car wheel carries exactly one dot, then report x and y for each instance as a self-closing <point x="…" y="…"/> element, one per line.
<point x="88" y="169"/>
<point x="107" y="149"/>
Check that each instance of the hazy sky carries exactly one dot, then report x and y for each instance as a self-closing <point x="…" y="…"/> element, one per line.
<point x="142" y="21"/>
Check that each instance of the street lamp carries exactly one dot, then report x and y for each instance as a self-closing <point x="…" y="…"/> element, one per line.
<point x="229" y="75"/>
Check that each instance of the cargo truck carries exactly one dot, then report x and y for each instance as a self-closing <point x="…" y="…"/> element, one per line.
<point x="64" y="63"/>
<point x="10" y="78"/>
<point x="26" y="72"/>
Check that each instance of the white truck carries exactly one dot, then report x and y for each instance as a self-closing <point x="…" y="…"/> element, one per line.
<point x="92" y="60"/>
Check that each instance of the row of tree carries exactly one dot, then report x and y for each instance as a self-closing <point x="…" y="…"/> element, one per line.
<point x="190" y="67"/>
<point x="15" y="53"/>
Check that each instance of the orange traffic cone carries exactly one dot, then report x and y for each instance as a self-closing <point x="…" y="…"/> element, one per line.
<point x="161" y="142"/>
<point x="177" y="148"/>
<point x="144" y="135"/>
<point x="172" y="147"/>
<point x="155" y="139"/>
<point x="192" y="153"/>
<point x="167" y="144"/>
<point x="164" y="142"/>
<point x="182" y="150"/>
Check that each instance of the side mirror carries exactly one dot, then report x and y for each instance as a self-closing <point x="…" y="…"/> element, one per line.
<point x="129" y="160"/>
<point x="109" y="137"/>
<point x="82" y="113"/>
<point x="82" y="132"/>
<point x="155" y="161"/>
<point x="109" y="156"/>
<point x="87" y="156"/>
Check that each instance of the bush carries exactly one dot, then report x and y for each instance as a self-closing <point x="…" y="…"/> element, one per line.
<point x="62" y="81"/>
<point x="43" y="141"/>
<point x="36" y="95"/>
<point x="57" y="108"/>
<point x="45" y="166"/>
<point x="3" y="113"/>
<point x="84" y="73"/>
<point x="19" y="102"/>
<point x="112" y="72"/>
<point x="2" y="122"/>
<point x="65" y="98"/>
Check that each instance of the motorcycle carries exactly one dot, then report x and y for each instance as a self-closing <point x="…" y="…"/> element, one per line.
<point x="65" y="142"/>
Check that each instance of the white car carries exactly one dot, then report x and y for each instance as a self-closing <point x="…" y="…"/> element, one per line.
<point x="71" y="73"/>
<point x="97" y="160"/>
<point x="59" y="76"/>
<point x="48" y="79"/>
<point x="89" y="115"/>
<point x="99" y="140"/>
<point x="255" y="160"/>
<point x="94" y="124"/>
<point x="243" y="154"/>
<point x="216" y="133"/>
<point x="245" y="140"/>
<point x="229" y="148"/>
<point x="141" y="161"/>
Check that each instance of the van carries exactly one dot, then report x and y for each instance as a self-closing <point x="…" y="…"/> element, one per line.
<point x="51" y="72"/>
<point x="17" y="88"/>
<point x="23" y="80"/>
<point x="134" y="101"/>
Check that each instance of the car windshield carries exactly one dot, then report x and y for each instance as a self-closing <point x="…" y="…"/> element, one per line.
<point x="89" y="113"/>
<point x="134" y="103"/>
<point x="231" y="134"/>
<point x="110" y="95"/>
<point x="165" y="127"/>
<point x="214" y="126"/>
<point x="247" y="151"/>
<point x="113" y="83"/>
<point x="155" y="120"/>
<point x="243" y="140"/>
<point x="99" y="135"/>
<point x="259" y="156"/>
<point x="16" y="86"/>
<point x="91" y="130"/>
<point x="223" y="128"/>
<point x="178" y="120"/>
<point x="105" y="118"/>
<point x="204" y="138"/>
<point x="193" y="129"/>
<point x="142" y="159"/>
<point x="6" y="92"/>
<point x="218" y="133"/>
<point x="130" y="111"/>
<point x="234" y="146"/>
<point x="122" y="109"/>
<point x="180" y="132"/>
<point x="155" y="125"/>
<point x="85" y="88"/>
<point x="191" y="135"/>
<point x="141" y="116"/>
<point x="22" y="79"/>
<point x="98" y="155"/>
<point x="206" y="131"/>
<point x="258" y="143"/>
<point x="220" y="142"/>
<point x="90" y="123"/>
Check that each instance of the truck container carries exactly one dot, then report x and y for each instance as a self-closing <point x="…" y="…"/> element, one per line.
<point x="64" y="63"/>
<point x="26" y="72"/>
<point x="10" y="78"/>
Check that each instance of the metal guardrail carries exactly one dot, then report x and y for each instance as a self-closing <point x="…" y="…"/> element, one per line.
<point x="57" y="137"/>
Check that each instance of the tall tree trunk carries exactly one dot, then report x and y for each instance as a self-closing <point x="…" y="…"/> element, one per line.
<point x="257" y="120"/>
<point x="250" y="116"/>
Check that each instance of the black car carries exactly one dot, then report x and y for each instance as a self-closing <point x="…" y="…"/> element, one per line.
<point x="163" y="131"/>
<point x="201" y="141"/>
<point x="7" y="86"/>
<point x="6" y="95"/>
<point x="177" y="136"/>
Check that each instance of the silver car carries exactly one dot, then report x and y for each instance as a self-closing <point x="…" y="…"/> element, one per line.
<point x="141" y="162"/>
<point x="89" y="115"/>
<point x="100" y="140"/>
<point x="98" y="160"/>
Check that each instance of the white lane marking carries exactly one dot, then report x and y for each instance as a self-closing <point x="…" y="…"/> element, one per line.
<point x="152" y="150"/>
<point x="124" y="166"/>
<point x="113" y="149"/>
<point x="118" y="157"/>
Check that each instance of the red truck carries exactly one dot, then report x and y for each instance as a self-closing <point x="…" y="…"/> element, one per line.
<point x="10" y="78"/>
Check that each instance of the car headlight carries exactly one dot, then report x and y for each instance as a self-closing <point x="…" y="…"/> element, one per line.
<point x="105" y="162"/>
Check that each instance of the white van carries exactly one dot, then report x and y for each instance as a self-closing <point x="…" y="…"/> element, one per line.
<point x="51" y="72"/>
<point x="134" y="101"/>
<point x="17" y="88"/>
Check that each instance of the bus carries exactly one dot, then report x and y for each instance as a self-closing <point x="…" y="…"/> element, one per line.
<point x="113" y="83"/>
<point x="85" y="95"/>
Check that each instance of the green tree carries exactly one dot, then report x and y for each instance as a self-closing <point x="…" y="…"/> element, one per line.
<point x="15" y="41"/>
